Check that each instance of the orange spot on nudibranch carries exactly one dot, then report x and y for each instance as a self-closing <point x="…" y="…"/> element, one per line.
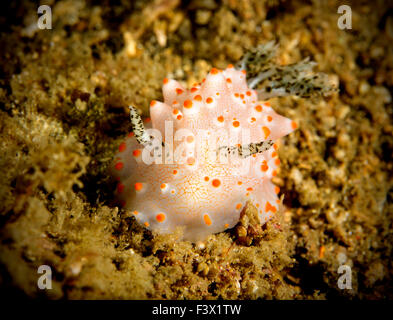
<point x="135" y="212"/>
<point x="216" y="183"/>
<point x="175" y="111"/>
<point x="190" y="139"/>
<point x="274" y="154"/>
<point x="138" y="186"/>
<point x="160" y="217"/>
<point x="198" y="98"/>
<point x="249" y="189"/>
<point x="269" y="207"/>
<point x="258" y="108"/>
<point x="236" y="124"/>
<point x="209" y="100"/>
<point x="207" y="220"/>
<point x="206" y="178"/>
<point x="274" y="173"/>
<point x="146" y="224"/>
<point x="229" y="80"/>
<point x="293" y="125"/>
<point x="275" y="146"/>
<point x="187" y="104"/>
<point x="266" y="131"/>
<point x="248" y="93"/>
<point x="174" y="171"/>
<point x="119" y="165"/>
<point x="179" y="117"/>
<point x="277" y="162"/>
<point x="277" y="189"/>
<point x="269" y="118"/>
<point x="220" y="119"/>
<point x="165" y="81"/>
<point x="191" y="161"/>
<point x="152" y="103"/>
<point x="122" y="147"/>
<point x="214" y="71"/>
<point x="230" y="66"/>
<point x="238" y="206"/>
<point x="244" y="71"/>
<point x="193" y="89"/>
<point x="179" y="91"/>
<point x="239" y="183"/>
<point x="264" y="166"/>
<point x="136" y="153"/>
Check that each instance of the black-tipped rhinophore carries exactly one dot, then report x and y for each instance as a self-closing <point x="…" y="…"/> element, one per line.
<point x="245" y="151"/>
<point x="137" y="126"/>
<point x="272" y="80"/>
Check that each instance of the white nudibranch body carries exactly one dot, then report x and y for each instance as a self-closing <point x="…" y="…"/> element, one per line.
<point x="199" y="192"/>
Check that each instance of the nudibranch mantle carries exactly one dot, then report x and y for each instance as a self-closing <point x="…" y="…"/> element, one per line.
<point x="202" y="195"/>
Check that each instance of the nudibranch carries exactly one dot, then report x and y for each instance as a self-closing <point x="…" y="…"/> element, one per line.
<point x="206" y="152"/>
<point x="201" y="193"/>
